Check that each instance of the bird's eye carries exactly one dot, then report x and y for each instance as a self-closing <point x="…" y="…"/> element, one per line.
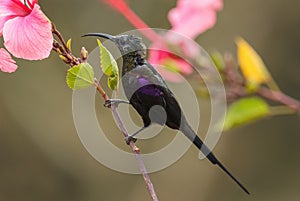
<point x="139" y="60"/>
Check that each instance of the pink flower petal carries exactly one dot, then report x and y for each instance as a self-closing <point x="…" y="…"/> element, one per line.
<point x="192" y="22"/>
<point x="3" y="19"/>
<point x="184" y="66"/>
<point x="216" y="4"/>
<point x="188" y="46"/>
<point x="29" y="37"/>
<point x="10" y="9"/>
<point x="159" y="54"/>
<point x="7" y="64"/>
<point x="192" y="17"/>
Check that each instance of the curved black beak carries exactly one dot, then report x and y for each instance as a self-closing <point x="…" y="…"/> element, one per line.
<point x="103" y="35"/>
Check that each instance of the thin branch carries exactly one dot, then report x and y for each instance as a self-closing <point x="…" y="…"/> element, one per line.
<point x="58" y="34"/>
<point x="67" y="56"/>
<point x="132" y="145"/>
<point x="280" y="97"/>
<point x="61" y="48"/>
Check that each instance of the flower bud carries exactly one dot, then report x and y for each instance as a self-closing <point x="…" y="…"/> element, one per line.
<point x="84" y="54"/>
<point x="64" y="58"/>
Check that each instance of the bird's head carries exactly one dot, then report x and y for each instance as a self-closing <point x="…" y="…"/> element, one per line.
<point x="127" y="44"/>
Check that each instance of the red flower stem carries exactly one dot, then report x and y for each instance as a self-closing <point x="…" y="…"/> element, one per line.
<point x="133" y="147"/>
<point x="280" y="97"/>
<point x="134" y="19"/>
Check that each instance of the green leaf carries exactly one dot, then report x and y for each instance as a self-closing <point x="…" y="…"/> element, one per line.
<point x="244" y="111"/>
<point x="80" y="76"/>
<point x="113" y="82"/>
<point x="109" y="66"/>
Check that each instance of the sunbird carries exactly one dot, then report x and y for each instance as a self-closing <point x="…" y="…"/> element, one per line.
<point x="150" y="96"/>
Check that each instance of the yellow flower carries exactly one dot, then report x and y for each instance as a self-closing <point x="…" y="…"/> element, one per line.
<point x="251" y="64"/>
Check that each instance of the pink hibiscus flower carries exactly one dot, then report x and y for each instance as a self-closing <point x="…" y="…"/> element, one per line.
<point x="189" y="19"/>
<point x="193" y="17"/>
<point x="26" y="31"/>
<point x="7" y="64"/>
<point x="167" y="62"/>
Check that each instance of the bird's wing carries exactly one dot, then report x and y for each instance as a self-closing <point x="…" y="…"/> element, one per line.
<point x="146" y="89"/>
<point x="149" y="86"/>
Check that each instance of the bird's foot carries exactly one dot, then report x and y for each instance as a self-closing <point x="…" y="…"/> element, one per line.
<point x="129" y="139"/>
<point x="108" y="103"/>
<point x="115" y="102"/>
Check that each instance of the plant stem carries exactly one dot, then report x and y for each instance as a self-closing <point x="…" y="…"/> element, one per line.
<point x="280" y="97"/>
<point x="63" y="50"/>
<point x="58" y="34"/>
<point x="132" y="145"/>
<point x="68" y="58"/>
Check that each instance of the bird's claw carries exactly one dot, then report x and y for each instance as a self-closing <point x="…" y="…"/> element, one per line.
<point x="108" y="103"/>
<point x="129" y="139"/>
<point x="114" y="102"/>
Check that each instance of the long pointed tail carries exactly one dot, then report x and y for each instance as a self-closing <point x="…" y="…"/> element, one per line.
<point x="189" y="132"/>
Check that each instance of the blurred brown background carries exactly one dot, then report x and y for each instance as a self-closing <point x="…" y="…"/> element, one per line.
<point x="41" y="157"/>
